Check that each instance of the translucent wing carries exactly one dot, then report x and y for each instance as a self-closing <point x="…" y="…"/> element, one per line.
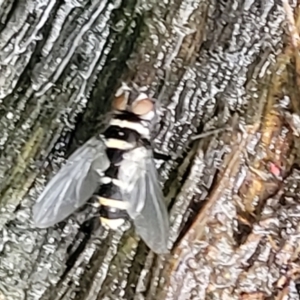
<point x="143" y="193"/>
<point x="73" y="185"/>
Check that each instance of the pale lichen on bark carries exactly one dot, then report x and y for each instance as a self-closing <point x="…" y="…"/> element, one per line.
<point x="60" y="63"/>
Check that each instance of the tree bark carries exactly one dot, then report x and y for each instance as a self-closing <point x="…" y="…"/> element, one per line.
<point x="232" y="194"/>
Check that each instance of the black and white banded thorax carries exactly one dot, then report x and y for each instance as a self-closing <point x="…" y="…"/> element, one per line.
<point x="128" y="129"/>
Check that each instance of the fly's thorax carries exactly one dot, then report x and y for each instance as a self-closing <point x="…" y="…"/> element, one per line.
<point x="125" y="134"/>
<point x="125" y="122"/>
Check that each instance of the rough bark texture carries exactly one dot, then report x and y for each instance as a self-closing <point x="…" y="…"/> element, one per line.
<point x="211" y="64"/>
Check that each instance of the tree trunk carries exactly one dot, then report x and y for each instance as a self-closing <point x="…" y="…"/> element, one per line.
<point x="232" y="194"/>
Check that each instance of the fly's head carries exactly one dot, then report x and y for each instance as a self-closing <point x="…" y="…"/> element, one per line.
<point x="134" y="100"/>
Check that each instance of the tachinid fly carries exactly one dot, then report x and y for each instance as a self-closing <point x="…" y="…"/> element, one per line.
<point x="118" y="167"/>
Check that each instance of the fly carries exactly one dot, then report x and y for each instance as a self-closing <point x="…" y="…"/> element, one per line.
<point x="118" y="168"/>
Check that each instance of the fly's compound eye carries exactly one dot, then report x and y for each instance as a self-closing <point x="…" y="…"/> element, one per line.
<point x="142" y="107"/>
<point x="121" y="97"/>
<point x="120" y="102"/>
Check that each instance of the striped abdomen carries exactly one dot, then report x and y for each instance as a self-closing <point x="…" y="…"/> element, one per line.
<point x="125" y="132"/>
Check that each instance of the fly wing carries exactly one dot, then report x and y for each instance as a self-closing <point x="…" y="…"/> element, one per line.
<point x="143" y="193"/>
<point x="73" y="185"/>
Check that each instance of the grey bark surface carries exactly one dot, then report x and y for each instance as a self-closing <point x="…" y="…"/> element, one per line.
<point x="60" y="63"/>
